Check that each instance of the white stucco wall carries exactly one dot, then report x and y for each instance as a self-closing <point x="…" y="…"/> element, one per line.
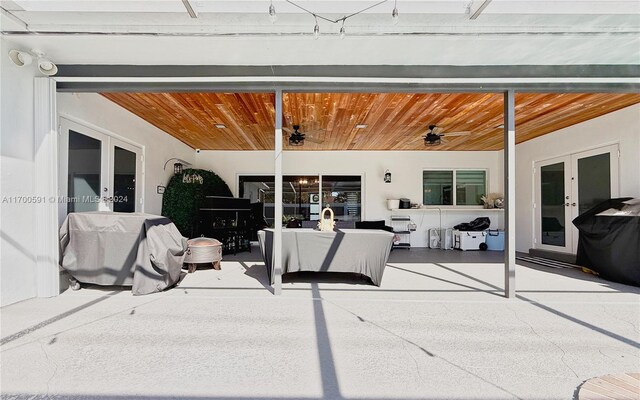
<point x="17" y="220"/>
<point x="622" y="127"/>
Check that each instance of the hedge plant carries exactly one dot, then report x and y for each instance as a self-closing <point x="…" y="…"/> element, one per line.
<point x="182" y="200"/>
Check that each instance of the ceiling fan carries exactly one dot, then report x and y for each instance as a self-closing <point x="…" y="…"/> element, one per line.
<point x="434" y="137"/>
<point x="297" y="138"/>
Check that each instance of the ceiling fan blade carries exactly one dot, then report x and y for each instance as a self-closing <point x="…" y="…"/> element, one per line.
<point x="287" y="129"/>
<point x="316" y="135"/>
<point x="461" y="133"/>
<point x="314" y="139"/>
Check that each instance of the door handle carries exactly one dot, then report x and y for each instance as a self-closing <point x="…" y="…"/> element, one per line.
<point x="566" y="204"/>
<point x="573" y="204"/>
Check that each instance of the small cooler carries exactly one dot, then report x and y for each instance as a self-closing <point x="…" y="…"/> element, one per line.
<point x="468" y="240"/>
<point x="495" y="240"/>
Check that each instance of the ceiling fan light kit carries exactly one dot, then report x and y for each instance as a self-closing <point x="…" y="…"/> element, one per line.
<point x="296" y="140"/>
<point x="432" y="140"/>
<point x="395" y="16"/>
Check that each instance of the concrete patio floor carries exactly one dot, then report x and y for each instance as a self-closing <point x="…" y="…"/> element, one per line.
<point x="439" y="330"/>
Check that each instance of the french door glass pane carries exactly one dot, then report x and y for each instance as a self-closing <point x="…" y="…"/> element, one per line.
<point x="470" y="187"/>
<point x="594" y="181"/>
<point x="438" y="187"/>
<point x="84" y="172"/>
<point x="343" y="194"/>
<point x="552" y="207"/>
<point x="124" y="180"/>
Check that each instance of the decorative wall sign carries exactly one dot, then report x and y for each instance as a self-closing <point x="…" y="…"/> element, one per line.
<point x="192" y="178"/>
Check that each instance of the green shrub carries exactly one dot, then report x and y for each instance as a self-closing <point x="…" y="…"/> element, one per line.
<point x="182" y="200"/>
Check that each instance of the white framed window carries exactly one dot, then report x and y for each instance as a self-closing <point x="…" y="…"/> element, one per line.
<point x="454" y="187"/>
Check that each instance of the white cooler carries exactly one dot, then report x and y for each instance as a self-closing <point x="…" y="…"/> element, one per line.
<point x="468" y="240"/>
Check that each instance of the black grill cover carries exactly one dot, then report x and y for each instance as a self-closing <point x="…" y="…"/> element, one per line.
<point x="610" y="245"/>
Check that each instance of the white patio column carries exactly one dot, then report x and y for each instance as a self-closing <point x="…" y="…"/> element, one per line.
<point x="46" y="184"/>
<point x="509" y="194"/>
<point x="277" y="222"/>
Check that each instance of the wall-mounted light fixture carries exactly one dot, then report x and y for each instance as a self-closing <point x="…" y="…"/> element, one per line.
<point x="20" y="58"/>
<point x="177" y="166"/>
<point x="387" y="176"/>
<point x="23" y="58"/>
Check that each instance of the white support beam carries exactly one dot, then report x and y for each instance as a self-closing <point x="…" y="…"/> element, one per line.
<point x="46" y="183"/>
<point x="509" y="194"/>
<point x="476" y="8"/>
<point x="277" y="218"/>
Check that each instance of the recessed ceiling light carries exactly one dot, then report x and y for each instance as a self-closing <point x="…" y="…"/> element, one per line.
<point x="221" y="126"/>
<point x="361" y="126"/>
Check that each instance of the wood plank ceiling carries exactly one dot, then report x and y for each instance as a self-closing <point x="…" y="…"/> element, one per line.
<point x="395" y="121"/>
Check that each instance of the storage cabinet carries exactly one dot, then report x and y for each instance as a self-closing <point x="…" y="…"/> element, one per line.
<point x="228" y="220"/>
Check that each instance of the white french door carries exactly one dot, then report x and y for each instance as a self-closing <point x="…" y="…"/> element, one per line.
<point x="125" y="172"/>
<point x="98" y="172"/>
<point x="567" y="187"/>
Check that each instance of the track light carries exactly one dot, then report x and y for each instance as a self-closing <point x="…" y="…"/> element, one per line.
<point x="272" y="13"/>
<point x="46" y="67"/>
<point x="20" y="58"/>
<point x="395" y="16"/>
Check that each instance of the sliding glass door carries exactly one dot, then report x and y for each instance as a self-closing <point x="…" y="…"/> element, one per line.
<point x="344" y="195"/>
<point x="304" y="196"/>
